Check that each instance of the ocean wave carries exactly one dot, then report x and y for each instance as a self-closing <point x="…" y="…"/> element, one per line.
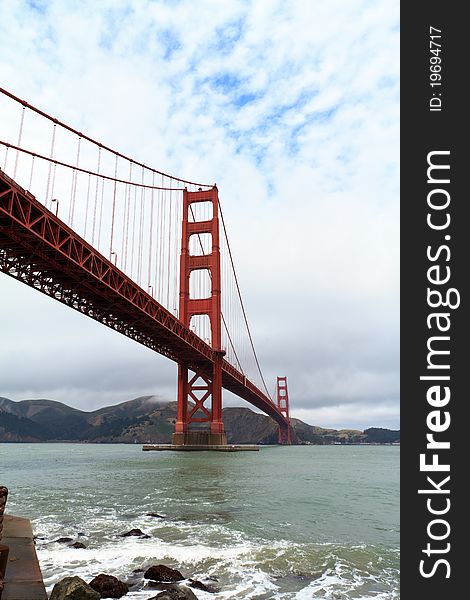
<point x="243" y="567"/>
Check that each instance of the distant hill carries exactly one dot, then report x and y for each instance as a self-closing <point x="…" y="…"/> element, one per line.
<point x="46" y="420"/>
<point x="146" y="420"/>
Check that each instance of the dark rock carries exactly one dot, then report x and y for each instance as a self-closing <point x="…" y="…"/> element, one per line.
<point x="198" y="585"/>
<point x="138" y="571"/>
<point x="176" y="592"/>
<point x="134" y="582"/>
<point x="135" y="533"/>
<point x="154" y="514"/>
<point x="73" y="588"/>
<point x="81" y="534"/>
<point x="157" y="585"/>
<point x="77" y="545"/>
<point x="64" y="540"/>
<point x="163" y="573"/>
<point x="109" y="586"/>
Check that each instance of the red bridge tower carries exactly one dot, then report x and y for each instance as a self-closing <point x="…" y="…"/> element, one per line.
<point x="201" y="423"/>
<point x="282" y="394"/>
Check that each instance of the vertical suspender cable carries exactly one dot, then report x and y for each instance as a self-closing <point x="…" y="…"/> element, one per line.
<point x="149" y="281"/>
<point x="87" y="204"/>
<point x="54" y="170"/>
<point x="160" y="237"/>
<point x="175" y="256"/>
<point x="20" y="134"/>
<point x="103" y="181"/>
<point x="96" y="197"/>
<point x="114" y="209"/>
<point x="54" y="128"/>
<point x="141" y="231"/>
<point x="155" y="270"/>
<point x="31" y="174"/>
<point x="133" y="231"/>
<point x="73" y="189"/>
<point x="169" y="256"/>
<point x="127" y="217"/>
<point x="6" y="159"/>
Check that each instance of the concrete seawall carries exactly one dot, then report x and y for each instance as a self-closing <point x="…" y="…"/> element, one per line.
<point x="23" y="578"/>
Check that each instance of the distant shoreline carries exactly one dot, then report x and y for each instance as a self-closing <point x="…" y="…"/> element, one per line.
<point x="84" y="442"/>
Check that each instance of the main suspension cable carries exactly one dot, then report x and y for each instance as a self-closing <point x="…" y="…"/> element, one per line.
<point x="89" y="139"/>
<point x="241" y="301"/>
<point x="94" y="173"/>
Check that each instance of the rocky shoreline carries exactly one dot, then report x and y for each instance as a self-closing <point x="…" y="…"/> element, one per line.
<point x="168" y="582"/>
<point x="171" y="583"/>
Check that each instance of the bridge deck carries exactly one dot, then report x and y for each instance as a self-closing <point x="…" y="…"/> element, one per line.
<point x="37" y="248"/>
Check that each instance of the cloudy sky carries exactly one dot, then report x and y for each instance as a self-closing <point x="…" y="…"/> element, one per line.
<point x="292" y="107"/>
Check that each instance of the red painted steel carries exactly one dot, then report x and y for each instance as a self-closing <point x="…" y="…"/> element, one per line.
<point x="38" y="249"/>
<point x="209" y="383"/>
<point x="282" y="395"/>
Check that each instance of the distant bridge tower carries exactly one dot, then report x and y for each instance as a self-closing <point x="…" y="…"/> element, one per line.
<point x="200" y="422"/>
<point x="282" y="395"/>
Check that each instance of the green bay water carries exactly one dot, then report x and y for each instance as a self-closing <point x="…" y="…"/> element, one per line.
<point x="293" y="522"/>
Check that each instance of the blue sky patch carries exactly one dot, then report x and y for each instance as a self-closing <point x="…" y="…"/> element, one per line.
<point x="226" y="82"/>
<point x="170" y="41"/>
<point x="244" y="99"/>
<point x="39" y="6"/>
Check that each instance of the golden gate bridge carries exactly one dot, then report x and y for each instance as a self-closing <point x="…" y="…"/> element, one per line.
<point x="141" y="251"/>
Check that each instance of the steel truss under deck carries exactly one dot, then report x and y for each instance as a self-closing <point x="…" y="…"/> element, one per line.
<point x="37" y="248"/>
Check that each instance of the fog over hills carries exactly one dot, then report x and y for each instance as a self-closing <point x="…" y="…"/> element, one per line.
<point x="147" y="419"/>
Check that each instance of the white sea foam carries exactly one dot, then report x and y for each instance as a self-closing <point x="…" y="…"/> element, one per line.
<point x="237" y="566"/>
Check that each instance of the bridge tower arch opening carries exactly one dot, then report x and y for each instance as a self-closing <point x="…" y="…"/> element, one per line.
<point x="199" y="418"/>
